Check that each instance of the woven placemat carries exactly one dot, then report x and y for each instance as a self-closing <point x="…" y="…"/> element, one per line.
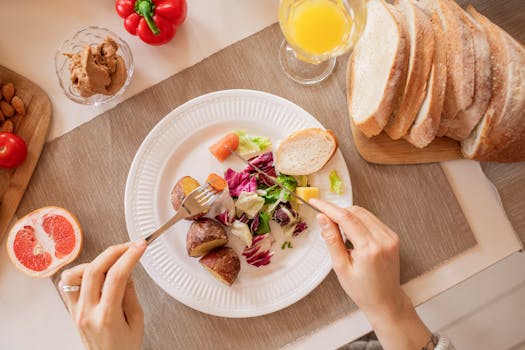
<point x="86" y="169"/>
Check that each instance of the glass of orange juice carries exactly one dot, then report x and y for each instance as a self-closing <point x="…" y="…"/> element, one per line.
<point x="316" y="32"/>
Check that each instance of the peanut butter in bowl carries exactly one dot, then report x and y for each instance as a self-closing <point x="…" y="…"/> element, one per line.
<point x="97" y="69"/>
<point x="94" y="66"/>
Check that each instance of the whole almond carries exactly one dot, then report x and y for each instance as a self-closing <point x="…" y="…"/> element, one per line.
<point x="8" y="126"/>
<point x="18" y="105"/>
<point x="2" y="118"/>
<point x="7" y="109"/>
<point x="8" y="91"/>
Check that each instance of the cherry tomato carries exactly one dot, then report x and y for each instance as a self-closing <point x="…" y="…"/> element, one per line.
<point x="13" y="150"/>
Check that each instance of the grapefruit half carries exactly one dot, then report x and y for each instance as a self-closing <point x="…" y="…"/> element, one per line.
<point x="43" y="241"/>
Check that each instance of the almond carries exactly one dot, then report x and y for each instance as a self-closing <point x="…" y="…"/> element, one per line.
<point x="8" y="91"/>
<point x="2" y="118"/>
<point x="18" y="105"/>
<point x="8" y="126"/>
<point x="7" y="109"/>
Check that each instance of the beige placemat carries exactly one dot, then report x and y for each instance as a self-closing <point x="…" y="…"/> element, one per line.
<point x="509" y="179"/>
<point x="86" y="169"/>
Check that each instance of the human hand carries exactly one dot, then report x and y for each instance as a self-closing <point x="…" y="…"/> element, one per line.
<point x="369" y="273"/>
<point x="106" y="310"/>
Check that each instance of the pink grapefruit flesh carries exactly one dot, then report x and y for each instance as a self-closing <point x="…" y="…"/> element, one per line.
<point x="29" y="252"/>
<point x="43" y="241"/>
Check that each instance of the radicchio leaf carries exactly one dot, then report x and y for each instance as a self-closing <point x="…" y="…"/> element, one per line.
<point x="224" y="218"/>
<point x="263" y="162"/>
<point x="259" y="253"/>
<point x="240" y="182"/>
<point x="300" y="227"/>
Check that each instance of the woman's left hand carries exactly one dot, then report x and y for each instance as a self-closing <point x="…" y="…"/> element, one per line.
<point x="106" y="310"/>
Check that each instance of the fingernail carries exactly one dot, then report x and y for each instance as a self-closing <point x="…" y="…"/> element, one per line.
<point x="141" y="244"/>
<point x="321" y="219"/>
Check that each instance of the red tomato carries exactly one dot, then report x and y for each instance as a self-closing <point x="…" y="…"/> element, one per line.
<point x="13" y="150"/>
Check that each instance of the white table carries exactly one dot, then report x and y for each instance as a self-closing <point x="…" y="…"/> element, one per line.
<point x="32" y="314"/>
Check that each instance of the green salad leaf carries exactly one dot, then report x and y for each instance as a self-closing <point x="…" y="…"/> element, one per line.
<point x="275" y="193"/>
<point x="250" y="144"/>
<point x="336" y="185"/>
<point x="264" y="223"/>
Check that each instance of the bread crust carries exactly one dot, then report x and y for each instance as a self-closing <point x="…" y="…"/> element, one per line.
<point x="461" y="67"/>
<point x="375" y="123"/>
<point x="462" y="125"/>
<point x="421" y="134"/>
<point x="417" y="75"/>
<point x="502" y="129"/>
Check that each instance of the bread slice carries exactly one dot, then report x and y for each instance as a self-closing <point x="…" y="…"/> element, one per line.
<point x="305" y="151"/>
<point x="500" y="135"/>
<point x="461" y="126"/>
<point x="425" y="127"/>
<point x="376" y="69"/>
<point x="459" y="92"/>
<point x="421" y="36"/>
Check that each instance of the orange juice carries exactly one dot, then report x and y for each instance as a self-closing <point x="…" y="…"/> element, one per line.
<point x="315" y="27"/>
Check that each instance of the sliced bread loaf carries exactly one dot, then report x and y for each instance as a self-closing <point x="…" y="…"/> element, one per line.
<point x="459" y="91"/>
<point x="500" y="135"/>
<point x="425" y="127"/>
<point x="421" y="36"/>
<point x="376" y="69"/>
<point x="305" y="151"/>
<point x="461" y="126"/>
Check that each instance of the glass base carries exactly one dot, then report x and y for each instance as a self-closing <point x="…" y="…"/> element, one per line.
<point x="303" y="72"/>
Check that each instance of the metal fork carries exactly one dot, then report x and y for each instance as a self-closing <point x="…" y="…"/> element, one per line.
<point x="196" y="202"/>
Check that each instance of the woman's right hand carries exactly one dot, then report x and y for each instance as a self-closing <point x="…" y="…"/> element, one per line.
<point x="369" y="273"/>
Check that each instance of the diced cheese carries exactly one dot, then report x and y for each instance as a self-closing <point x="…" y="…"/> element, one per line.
<point x="307" y="193"/>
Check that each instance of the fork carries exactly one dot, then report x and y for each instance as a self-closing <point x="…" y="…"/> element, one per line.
<point x="196" y="202"/>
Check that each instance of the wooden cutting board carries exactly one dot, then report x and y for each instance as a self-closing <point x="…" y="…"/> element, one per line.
<point x="381" y="149"/>
<point x="32" y="128"/>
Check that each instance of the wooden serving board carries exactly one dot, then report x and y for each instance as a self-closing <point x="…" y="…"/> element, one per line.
<point x="381" y="149"/>
<point x="32" y="128"/>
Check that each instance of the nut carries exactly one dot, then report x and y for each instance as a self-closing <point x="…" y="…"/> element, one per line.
<point x="8" y="126"/>
<point x="2" y="118"/>
<point x="8" y="91"/>
<point x="18" y="105"/>
<point x="7" y="109"/>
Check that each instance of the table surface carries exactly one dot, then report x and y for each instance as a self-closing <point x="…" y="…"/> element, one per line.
<point x="35" y="305"/>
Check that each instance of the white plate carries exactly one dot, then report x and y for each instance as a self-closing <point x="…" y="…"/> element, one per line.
<point x="178" y="146"/>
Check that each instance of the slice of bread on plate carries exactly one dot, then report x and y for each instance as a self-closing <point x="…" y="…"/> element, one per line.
<point x="425" y="127"/>
<point x="419" y="29"/>
<point x="500" y="135"/>
<point x="461" y="126"/>
<point x="305" y="151"/>
<point x="376" y="69"/>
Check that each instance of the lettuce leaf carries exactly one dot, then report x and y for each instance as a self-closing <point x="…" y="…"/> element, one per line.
<point x="264" y="224"/>
<point x="336" y="185"/>
<point x="251" y="144"/>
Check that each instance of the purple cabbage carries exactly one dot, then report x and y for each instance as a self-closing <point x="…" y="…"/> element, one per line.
<point x="254" y="225"/>
<point x="284" y="214"/>
<point x="240" y="182"/>
<point x="224" y="218"/>
<point x="263" y="162"/>
<point x="259" y="254"/>
<point x="243" y="218"/>
<point x="300" y="227"/>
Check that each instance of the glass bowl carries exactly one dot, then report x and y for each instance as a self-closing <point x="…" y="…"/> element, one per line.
<point x="89" y="36"/>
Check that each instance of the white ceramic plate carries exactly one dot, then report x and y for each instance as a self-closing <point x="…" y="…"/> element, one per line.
<point x="178" y="146"/>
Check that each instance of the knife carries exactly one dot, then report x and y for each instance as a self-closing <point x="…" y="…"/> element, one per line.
<point x="272" y="179"/>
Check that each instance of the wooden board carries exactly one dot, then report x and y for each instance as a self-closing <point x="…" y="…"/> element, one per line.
<point x="381" y="149"/>
<point x="32" y="128"/>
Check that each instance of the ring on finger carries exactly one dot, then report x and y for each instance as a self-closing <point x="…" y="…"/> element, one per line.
<point x="70" y="288"/>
